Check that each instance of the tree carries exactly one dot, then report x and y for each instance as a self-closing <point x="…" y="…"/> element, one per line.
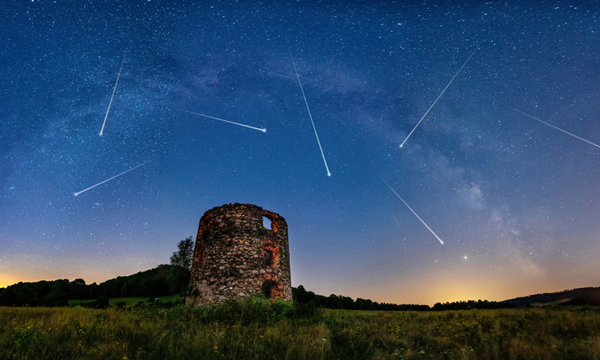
<point x="184" y="254"/>
<point x="58" y="294"/>
<point x="181" y="265"/>
<point x="77" y="289"/>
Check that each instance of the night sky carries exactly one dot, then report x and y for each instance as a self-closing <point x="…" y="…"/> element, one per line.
<point x="515" y="201"/>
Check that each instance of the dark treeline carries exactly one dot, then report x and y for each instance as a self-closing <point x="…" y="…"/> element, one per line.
<point x="42" y="293"/>
<point x="168" y="279"/>
<point x="472" y="304"/>
<point x="154" y="282"/>
<point x="332" y="301"/>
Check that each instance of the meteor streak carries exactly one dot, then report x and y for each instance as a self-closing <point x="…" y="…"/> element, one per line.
<point x="310" y="116"/>
<point x="113" y="95"/>
<point x="109" y="179"/>
<point x="442" y="93"/>
<point x="227" y="121"/>
<point x="557" y="128"/>
<point x="418" y="217"/>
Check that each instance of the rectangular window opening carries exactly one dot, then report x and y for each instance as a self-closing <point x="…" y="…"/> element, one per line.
<point x="267" y="223"/>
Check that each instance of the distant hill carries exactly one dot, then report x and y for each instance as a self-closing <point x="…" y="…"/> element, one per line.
<point x="581" y="296"/>
<point x="153" y="282"/>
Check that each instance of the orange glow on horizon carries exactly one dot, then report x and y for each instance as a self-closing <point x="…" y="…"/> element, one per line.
<point x="6" y="281"/>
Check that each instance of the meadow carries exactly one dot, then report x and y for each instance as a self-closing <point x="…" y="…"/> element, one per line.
<point x="257" y="328"/>
<point x="128" y="301"/>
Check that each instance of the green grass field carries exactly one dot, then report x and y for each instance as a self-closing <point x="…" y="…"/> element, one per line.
<point x="260" y="329"/>
<point x="129" y="301"/>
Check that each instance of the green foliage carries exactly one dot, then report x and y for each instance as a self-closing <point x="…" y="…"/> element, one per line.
<point x="301" y="296"/>
<point x="253" y="310"/>
<point x="147" y="283"/>
<point x="100" y="303"/>
<point x="41" y="293"/>
<point x="184" y="254"/>
<point x="551" y="333"/>
<point x="181" y="266"/>
<point x="178" y="279"/>
<point x="131" y="301"/>
<point x="257" y="328"/>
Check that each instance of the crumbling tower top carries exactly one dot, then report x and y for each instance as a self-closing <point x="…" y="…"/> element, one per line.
<point x="241" y="250"/>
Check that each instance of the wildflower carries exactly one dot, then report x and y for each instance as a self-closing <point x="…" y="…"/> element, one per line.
<point x="216" y="347"/>
<point x="261" y="336"/>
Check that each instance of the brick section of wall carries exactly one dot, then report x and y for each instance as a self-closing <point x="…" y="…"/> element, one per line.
<point x="236" y="256"/>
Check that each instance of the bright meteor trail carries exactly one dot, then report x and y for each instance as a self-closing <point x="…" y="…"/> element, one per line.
<point x="442" y="93"/>
<point x="113" y="95"/>
<point x="227" y="121"/>
<point x="109" y="179"/>
<point x="418" y="217"/>
<point x="310" y="116"/>
<point x="557" y="128"/>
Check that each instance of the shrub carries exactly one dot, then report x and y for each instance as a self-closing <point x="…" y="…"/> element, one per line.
<point x="121" y="304"/>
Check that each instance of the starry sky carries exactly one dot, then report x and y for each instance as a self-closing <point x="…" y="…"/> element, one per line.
<point x="515" y="201"/>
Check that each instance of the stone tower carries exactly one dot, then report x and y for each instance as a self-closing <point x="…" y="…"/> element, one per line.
<point x="238" y="254"/>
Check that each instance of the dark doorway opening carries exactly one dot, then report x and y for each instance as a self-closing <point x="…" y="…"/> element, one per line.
<point x="267" y="288"/>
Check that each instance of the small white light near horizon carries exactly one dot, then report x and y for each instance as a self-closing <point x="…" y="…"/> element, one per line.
<point x="465" y="257"/>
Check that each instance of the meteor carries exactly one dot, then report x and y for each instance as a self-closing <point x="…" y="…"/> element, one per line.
<point x="418" y="217"/>
<point x="227" y="121"/>
<point x="442" y="93"/>
<point x="557" y="128"/>
<point x="109" y="179"/>
<point x="310" y="116"/>
<point x="113" y="94"/>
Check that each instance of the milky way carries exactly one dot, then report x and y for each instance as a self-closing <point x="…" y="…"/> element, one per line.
<point x="516" y="203"/>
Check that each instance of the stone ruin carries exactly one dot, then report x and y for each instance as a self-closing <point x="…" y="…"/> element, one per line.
<point x="238" y="254"/>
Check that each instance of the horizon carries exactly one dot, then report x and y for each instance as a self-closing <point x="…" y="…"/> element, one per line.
<point x="324" y="294"/>
<point x="419" y="152"/>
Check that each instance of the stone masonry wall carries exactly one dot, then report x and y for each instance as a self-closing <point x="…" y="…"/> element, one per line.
<point x="236" y="256"/>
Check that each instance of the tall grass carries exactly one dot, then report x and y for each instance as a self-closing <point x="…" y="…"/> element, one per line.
<point x="259" y="329"/>
<point x="549" y="333"/>
<point x="252" y="329"/>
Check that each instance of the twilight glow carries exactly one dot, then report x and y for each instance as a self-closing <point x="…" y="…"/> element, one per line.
<point x="516" y="203"/>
